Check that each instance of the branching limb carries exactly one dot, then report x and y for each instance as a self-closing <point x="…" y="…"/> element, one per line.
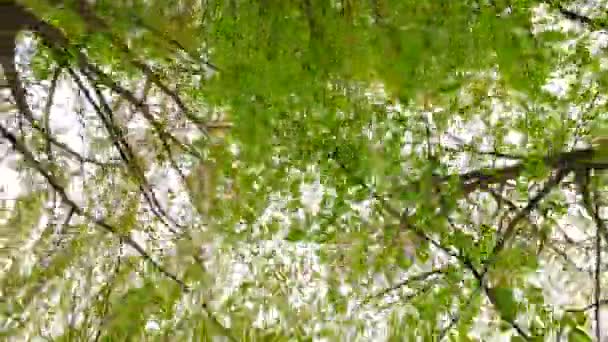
<point x="16" y="17"/>
<point x="96" y="24"/>
<point x="511" y="229"/>
<point x="96" y="76"/>
<point x="20" y="96"/>
<point x="19" y="146"/>
<point x="463" y="260"/>
<point x="56" y="185"/>
<point x="125" y="151"/>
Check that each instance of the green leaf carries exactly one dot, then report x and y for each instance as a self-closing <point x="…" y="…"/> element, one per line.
<point x="295" y="235"/>
<point x="579" y="335"/>
<point x="505" y="303"/>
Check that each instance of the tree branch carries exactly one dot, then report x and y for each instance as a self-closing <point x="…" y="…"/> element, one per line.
<point x="96" y="24"/>
<point x="419" y="277"/>
<point x="125" y="151"/>
<point x="601" y="228"/>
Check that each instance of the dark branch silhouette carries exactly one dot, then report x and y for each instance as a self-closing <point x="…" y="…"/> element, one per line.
<point x="15" y="18"/>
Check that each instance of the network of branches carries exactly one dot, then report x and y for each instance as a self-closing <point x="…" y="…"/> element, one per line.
<point x="453" y="240"/>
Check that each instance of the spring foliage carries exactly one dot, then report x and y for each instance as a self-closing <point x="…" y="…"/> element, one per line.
<point x="281" y="169"/>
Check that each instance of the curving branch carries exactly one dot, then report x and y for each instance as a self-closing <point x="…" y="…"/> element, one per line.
<point x="460" y="257"/>
<point x="19" y="146"/>
<point x="511" y="229"/>
<point x="104" y="112"/>
<point x="14" y="18"/>
<point x="96" y="24"/>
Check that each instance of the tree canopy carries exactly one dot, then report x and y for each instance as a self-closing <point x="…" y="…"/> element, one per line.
<point x="303" y="170"/>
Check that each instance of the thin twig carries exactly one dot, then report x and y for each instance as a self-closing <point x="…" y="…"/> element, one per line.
<point x="55" y="183"/>
<point x="593" y="211"/>
<point x="511" y="229"/>
<point x="96" y="24"/>
<point x="125" y="151"/>
<point x="107" y="291"/>
<point x="19" y="95"/>
<point x="102" y="223"/>
<point x="456" y="316"/>
<point x="403" y="283"/>
<point x="595" y="305"/>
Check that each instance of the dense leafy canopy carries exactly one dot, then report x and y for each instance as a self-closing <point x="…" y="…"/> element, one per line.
<point x="280" y="170"/>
